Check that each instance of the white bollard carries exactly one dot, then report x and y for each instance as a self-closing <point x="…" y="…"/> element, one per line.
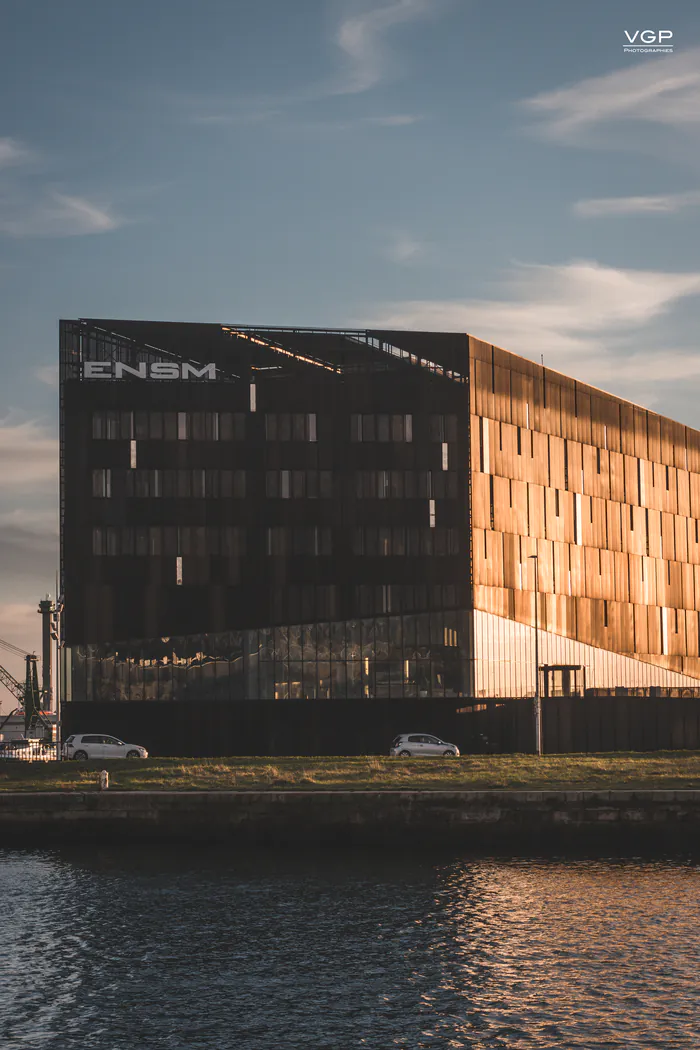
<point x="104" y="780"/>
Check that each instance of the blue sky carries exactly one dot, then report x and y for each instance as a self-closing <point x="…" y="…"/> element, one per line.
<point x="494" y="167"/>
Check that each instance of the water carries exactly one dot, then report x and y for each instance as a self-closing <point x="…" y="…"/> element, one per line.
<point x="149" y="949"/>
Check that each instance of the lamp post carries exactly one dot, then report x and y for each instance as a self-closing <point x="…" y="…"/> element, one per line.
<point x="56" y="634"/>
<point x="538" y="699"/>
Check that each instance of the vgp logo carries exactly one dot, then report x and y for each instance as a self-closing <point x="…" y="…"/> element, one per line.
<point x="641" y="41"/>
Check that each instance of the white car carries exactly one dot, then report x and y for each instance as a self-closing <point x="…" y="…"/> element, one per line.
<point x="99" y="745"/>
<point x="410" y="745"/>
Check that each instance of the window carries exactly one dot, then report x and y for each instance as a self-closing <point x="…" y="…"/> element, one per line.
<point x="311" y="540"/>
<point x="111" y="425"/>
<point x="399" y="541"/>
<point x="408" y="484"/>
<point x="170" y="426"/>
<point x="98" y="542"/>
<point x="102" y="483"/>
<point x="294" y="426"/>
<point x="278" y="541"/>
<point x="232" y="484"/>
<point x="298" y="484"/>
<point x="204" y="426"/>
<point x="185" y="484"/>
<point x="231" y="426"/>
<point x="381" y="427"/>
<point x="442" y="428"/>
<point x="233" y="541"/>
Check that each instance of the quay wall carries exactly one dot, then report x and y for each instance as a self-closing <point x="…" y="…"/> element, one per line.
<point x="405" y="818"/>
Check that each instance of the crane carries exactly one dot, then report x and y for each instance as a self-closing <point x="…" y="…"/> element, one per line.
<point x="28" y="695"/>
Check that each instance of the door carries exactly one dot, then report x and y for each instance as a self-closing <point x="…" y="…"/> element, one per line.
<point x="415" y="745"/>
<point x="92" y="746"/>
<point x="432" y="746"/>
<point x="112" y="747"/>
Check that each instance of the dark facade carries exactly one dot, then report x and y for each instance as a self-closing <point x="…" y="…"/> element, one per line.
<point x="285" y="520"/>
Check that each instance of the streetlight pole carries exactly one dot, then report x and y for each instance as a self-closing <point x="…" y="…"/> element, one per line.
<point x="538" y="699"/>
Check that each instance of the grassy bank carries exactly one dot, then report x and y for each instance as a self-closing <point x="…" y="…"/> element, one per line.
<point x="661" y="769"/>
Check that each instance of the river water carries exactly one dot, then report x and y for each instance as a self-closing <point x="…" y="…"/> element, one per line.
<point x="146" y="949"/>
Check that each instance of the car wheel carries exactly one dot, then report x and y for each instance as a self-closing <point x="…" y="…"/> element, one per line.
<point x="80" y="756"/>
<point x="133" y="754"/>
<point x="448" y="754"/>
<point x="404" y="754"/>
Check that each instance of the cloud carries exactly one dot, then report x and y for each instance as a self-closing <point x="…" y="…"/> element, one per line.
<point x="663" y="91"/>
<point x="402" y="248"/>
<point x="58" y="215"/>
<point x="566" y="309"/>
<point x="12" y="152"/>
<point x="660" y="365"/>
<point x="360" y="38"/>
<point x="28" y="455"/>
<point x="668" y="204"/>
<point x="47" y="374"/>
<point x="367" y="61"/>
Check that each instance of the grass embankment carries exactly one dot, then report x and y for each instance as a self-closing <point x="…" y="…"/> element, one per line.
<point x="661" y="769"/>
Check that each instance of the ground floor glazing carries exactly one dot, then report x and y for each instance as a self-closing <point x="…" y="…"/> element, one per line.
<point x="422" y="655"/>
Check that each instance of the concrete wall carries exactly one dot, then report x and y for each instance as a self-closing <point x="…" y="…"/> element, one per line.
<point x="390" y="818"/>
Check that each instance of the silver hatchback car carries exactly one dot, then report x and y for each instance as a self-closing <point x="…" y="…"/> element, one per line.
<point x="412" y="745"/>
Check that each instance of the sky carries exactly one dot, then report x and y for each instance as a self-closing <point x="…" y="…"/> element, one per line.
<point x="487" y="166"/>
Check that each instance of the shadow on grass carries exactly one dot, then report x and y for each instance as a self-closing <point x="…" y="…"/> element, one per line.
<point x="661" y="769"/>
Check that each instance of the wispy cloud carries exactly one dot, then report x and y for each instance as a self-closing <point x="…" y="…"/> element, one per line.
<point x="28" y="455"/>
<point x="663" y="91"/>
<point x="661" y="204"/>
<point x="366" y="61"/>
<point x="360" y="38"/>
<point x="402" y="248"/>
<point x="12" y="152"/>
<point x="57" y="215"/>
<point x="47" y="374"/>
<point x="568" y="310"/>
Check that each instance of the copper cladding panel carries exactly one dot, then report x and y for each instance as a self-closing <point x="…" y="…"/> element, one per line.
<point x="605" y="492"/>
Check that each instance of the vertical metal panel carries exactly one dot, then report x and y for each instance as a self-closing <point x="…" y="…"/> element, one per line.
<point x="613" y="490"/>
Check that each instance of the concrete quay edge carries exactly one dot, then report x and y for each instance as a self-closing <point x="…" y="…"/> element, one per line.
<point x="381" y="817"/>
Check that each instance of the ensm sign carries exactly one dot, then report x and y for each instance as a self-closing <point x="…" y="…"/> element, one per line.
<point x="155" y="370"/>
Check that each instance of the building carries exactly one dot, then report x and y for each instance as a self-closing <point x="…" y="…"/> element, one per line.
<point x="263" y="515"/>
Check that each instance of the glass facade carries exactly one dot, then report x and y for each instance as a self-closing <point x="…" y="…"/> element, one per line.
<point x="422" y="655"/>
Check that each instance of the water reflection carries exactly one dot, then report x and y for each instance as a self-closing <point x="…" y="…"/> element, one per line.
<point x="153" y="949"/>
